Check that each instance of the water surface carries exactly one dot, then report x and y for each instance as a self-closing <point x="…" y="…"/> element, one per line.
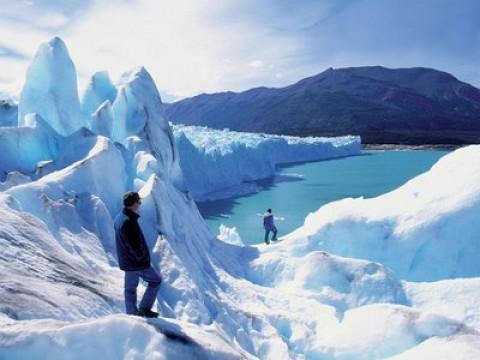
<point x="296" y="190"/>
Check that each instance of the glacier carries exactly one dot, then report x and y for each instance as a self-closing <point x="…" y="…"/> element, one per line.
<point x="361" y="279"/>
<point x="230" y="161"/>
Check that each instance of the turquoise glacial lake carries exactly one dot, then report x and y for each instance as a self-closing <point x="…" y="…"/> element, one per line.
<point x="296" y="190"/>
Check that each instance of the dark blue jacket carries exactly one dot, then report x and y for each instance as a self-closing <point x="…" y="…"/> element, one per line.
<point x="132" y="250"/>
<point x="268" y="222"/>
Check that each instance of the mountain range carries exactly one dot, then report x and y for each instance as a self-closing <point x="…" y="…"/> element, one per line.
<point x="384" y="106"/>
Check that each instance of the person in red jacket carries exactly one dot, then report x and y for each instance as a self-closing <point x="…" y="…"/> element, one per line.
<point x="134" y="258"/>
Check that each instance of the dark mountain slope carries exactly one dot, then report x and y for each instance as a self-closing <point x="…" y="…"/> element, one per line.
<point x="409" y="106"/>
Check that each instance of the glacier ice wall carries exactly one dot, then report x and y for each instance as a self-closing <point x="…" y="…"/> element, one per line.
<point x="227" y="159"/>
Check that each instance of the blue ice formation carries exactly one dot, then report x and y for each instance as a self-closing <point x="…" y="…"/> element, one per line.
<point x="51" y="89"/>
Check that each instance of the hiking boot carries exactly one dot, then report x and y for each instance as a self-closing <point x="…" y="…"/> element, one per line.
<point x="147" y="313"/>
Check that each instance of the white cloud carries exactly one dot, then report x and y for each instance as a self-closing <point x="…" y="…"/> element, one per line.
<point x="182" y="43"/>
<point x="189" y="46"/>
<point x="257" y="64"/>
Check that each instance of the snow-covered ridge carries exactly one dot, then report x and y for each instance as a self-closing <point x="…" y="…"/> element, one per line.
<point x="61" y="293"/>
<point x="227" y="159"/>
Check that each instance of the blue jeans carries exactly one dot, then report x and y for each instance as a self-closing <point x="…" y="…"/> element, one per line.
<point x="274" y="237"/>
<point x="131" y="282"/>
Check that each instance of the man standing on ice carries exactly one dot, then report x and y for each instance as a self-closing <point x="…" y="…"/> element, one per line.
<point x="134" y="258"/>
<point x="268" y="225"/>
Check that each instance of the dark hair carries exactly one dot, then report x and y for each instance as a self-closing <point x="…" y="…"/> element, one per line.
<point x="130" y="198"/>
<point x="269" y="210"/>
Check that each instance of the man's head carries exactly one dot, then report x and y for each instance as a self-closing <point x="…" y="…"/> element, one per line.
<point x="269" y="211"/>
<point x="132" y="201"/>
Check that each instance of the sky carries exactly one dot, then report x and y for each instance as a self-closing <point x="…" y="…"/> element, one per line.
<point x="204" y="46"/>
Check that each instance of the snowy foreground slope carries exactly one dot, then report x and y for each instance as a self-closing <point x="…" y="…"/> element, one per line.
<point x="222" y="163"/>
<point x="61" y="293"/>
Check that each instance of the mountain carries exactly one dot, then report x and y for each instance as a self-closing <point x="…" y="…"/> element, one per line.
<point x="382" y="105"/>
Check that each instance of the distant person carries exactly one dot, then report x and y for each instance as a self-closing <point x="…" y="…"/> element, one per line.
<point x="269" y="225"/>
<point x="134" y="258"/>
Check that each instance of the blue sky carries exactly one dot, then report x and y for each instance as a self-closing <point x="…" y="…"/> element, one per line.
<point x="195" y="46"/>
